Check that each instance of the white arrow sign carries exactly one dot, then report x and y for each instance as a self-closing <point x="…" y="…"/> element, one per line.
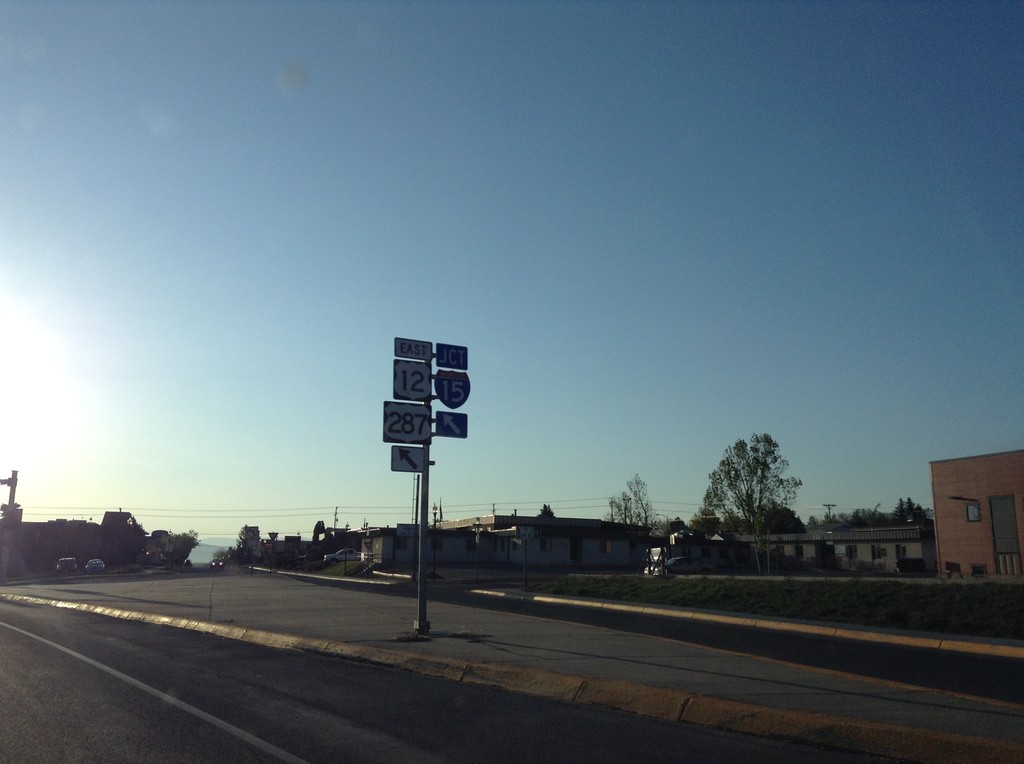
<point x="407" y="459"/>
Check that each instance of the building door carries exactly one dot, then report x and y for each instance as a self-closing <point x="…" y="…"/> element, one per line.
<point x="1004" y="536"/>
<point x="574" y="549"/>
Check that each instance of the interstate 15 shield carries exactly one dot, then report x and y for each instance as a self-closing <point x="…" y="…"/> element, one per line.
<point x="451" y="387"/>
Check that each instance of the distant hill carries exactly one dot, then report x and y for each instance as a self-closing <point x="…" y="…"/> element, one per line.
<point x="219" y="542"/>
<point x="203" y="553"/>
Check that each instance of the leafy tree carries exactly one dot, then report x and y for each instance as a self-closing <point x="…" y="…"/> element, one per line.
<point x="632" y="506"/>
<point x="909" y="511"/>
<point x="785" y="520"/>
<point x="5" y="511"/>
<point x="748" y="487"/>
<point x="867" y="518"/>
<point x="178" y="546"/>
<point x="706" y="520"/>
<point x="546" y="511"/>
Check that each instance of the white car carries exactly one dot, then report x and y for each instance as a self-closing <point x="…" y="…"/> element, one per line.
<point x="343" y="554"/>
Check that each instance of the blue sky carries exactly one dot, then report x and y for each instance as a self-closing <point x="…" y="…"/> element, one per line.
<point x="657" y="227"/>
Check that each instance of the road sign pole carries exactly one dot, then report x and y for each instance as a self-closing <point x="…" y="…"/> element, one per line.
<point x="421" y="625"/>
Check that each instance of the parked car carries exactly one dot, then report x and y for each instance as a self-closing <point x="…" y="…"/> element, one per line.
<point x="682" y="565"/>
<point x="67" y="565"/>
<point x="95" y="566"/>
<point x="341" y="555"/>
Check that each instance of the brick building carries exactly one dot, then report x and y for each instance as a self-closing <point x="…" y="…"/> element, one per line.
<point x="979" y="503"/>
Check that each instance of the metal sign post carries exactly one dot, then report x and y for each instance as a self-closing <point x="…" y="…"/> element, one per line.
<point x="421" y="625"/>
<point x="408" y="420"/>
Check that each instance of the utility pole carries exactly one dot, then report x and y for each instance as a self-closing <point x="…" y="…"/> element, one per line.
<point x="828" y="512"/>
<point x="9" y="525"/>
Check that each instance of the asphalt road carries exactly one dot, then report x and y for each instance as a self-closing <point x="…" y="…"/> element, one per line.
<point x="984" y="676"/>
<point x="82" y="687"/>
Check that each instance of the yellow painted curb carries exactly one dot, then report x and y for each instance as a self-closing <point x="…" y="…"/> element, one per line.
<point x="871" y="737"/>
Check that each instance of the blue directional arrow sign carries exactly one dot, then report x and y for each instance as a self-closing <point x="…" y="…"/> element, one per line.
<point x="450" y="424"/>
<point x="452" y="387"/>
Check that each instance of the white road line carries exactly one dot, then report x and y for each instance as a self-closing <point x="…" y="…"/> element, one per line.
<point x="231" y="729"/>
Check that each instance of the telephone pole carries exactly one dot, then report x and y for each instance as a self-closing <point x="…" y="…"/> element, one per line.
<point x="828" y="512"/>
<point x="9" y="525"/>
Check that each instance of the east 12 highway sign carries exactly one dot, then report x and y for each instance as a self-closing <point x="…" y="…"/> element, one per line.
<point x="412" y="380"/>
<point x="418" y="350"/>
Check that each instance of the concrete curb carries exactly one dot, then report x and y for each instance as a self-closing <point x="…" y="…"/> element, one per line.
<point x="833" y="732"/>
<point x="1006" y="649"/>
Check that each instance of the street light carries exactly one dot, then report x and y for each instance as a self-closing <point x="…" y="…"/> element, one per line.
<point x="433" y="545"/>
<point x="477" y="528"/>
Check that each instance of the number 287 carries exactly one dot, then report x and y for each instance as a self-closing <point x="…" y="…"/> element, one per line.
<point x="407" y="423"/>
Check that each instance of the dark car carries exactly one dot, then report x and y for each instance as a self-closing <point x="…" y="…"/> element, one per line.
<point x="95" y="566"/>
<point x="67" y="565"/>
<point x="682" y="565"/>
<point x="216" y="565"/>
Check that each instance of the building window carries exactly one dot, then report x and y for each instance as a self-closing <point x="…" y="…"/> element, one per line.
<point x="798" y="551"/>
<point x="973" y="513"/>
<point x="878" y="551"/>
<point x="606" y="546"/>
<point x="545" y="544"/>
<point x="901" y="551"/>
<point x="851" y="551"/>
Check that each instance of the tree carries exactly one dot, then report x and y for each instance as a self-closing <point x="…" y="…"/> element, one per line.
<point x="706" y="521"/>
<point x="868" y="518"/>
<point x="748" y="487"/>
<point x="632" y="506"/>
<point x="178" y="546"/>
<point x="785" y="520"/>
<point x="909" y="511"/>
<point x="546" y="511"/>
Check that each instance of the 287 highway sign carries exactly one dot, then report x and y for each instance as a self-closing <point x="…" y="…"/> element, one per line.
<point x="406" y="422"/>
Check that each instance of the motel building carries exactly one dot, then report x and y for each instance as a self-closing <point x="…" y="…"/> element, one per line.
<point x="979" y="514"/>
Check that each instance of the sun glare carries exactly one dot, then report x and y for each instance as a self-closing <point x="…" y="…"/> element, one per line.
<point x="39" y="411"/>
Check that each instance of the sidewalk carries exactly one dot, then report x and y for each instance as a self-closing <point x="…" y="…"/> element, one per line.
<point x="565" y="661"/>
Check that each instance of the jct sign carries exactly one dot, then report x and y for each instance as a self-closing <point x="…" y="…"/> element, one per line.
<point x="452" y="356"/>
